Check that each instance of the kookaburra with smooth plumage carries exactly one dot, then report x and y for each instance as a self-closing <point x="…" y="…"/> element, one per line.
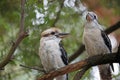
<point x="97" y="42"/>
<point x="51" y="52"/>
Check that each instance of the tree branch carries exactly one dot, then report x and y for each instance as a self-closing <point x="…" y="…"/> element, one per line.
<point x="89" y="62"/>
<point x="58" y="13"/>
<point x="21" y="36"/>
<point x="12" y="50"/>
<point x="113" y="27"/>
<point x="80" y="73"/>
<point x="77" y="53"/>
<point x="22" y="16"/>
<point x="82" y="47"/>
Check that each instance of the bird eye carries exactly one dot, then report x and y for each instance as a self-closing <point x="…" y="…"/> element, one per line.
<point x="94" y="17"/>
<point x="52" y="33"/>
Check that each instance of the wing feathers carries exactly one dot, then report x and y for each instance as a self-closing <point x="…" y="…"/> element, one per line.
<point x="64" y="54"/>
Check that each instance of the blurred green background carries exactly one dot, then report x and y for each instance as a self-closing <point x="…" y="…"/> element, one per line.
<point x="38" y="17"/>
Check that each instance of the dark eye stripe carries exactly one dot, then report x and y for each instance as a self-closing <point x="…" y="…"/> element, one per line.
<point x="52" y="33"/>
<point x="94" y="16"/>
<point x="46" y="35"/>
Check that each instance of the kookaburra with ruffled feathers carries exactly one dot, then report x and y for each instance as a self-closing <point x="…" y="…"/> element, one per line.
<point x="97" y="42"/>
<point x="51" y="52"/>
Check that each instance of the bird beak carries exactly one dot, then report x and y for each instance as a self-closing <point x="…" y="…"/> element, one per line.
<point x="63" y="35"/>
<point x="89" y="17"/>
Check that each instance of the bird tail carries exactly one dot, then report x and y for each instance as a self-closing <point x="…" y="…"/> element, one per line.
<point x="63" y="77"/>
<point x="105" y="72"/>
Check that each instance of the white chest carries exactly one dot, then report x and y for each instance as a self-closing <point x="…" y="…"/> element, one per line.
<point x="94" y="42"/>
<point x="50" y="55"/>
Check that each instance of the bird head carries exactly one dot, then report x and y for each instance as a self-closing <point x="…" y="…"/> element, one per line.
<point x="54" y="32"/>
<point x="91" y="16"/>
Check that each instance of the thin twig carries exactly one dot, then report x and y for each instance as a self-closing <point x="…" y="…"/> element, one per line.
<point x="34" y="68"/>
<point x="58" y="13"/>
<point x="77" y="53"/>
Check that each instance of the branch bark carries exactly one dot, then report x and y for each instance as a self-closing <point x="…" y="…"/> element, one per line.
<point x="22" y="16"/>
<point x="22" y="35"/>
<point x="82" y="47"/>
<point x="80" y="73"/>
<point x="89" y="62"/>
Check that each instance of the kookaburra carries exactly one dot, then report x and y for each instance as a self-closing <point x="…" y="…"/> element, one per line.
<point x="97" y="42"/>
<point x="51" y="51"/>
